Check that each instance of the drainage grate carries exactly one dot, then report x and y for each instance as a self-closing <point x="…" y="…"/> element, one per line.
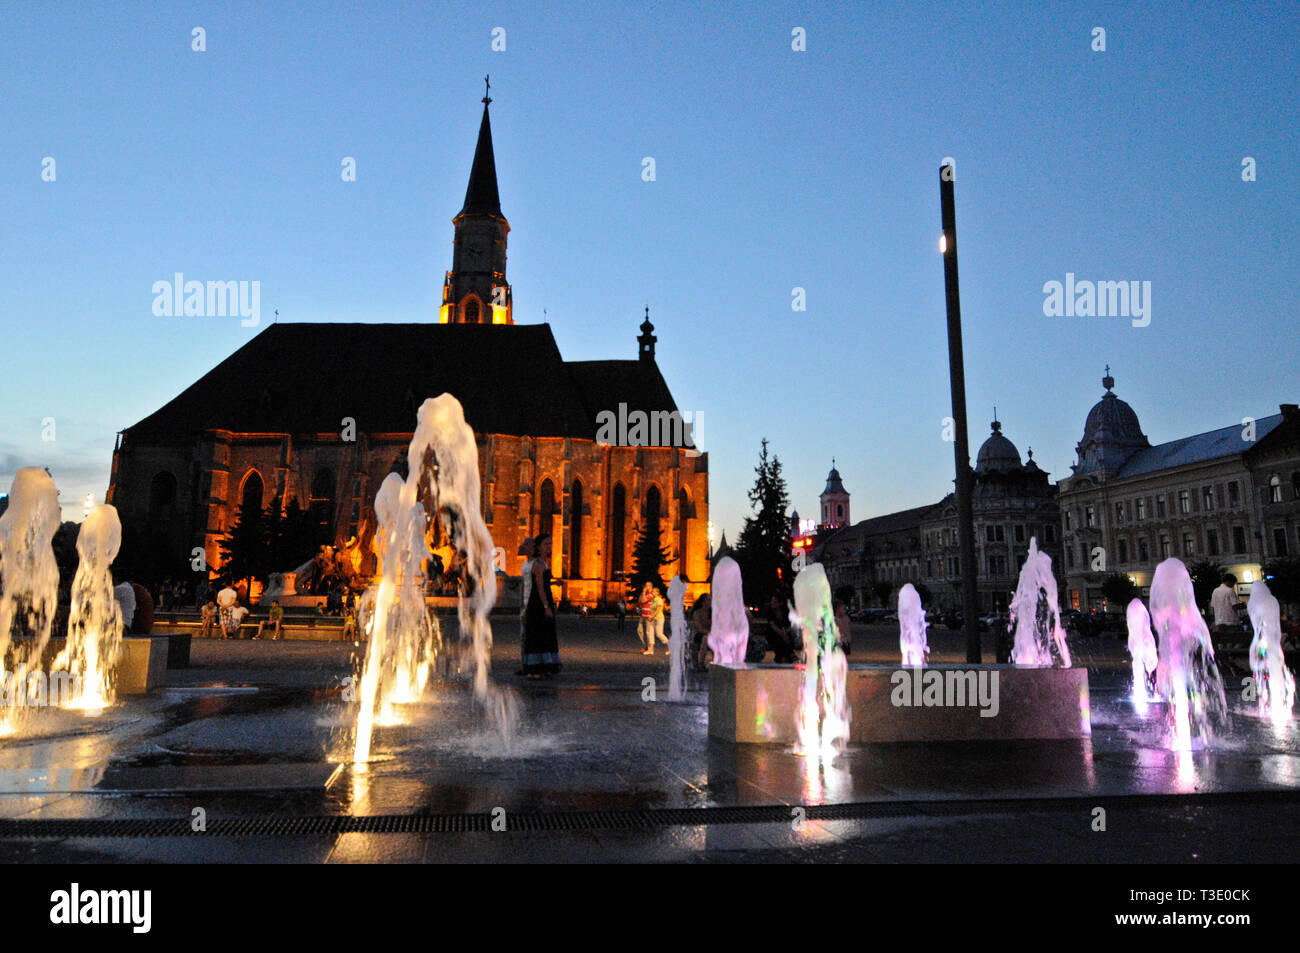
<point x="589" y="820"/>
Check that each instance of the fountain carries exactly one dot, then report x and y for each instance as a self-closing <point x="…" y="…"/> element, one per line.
<point x="1187" y="677"/>
<point x="823" y="704"/>
<point x="912" y="626"/>
<point x="1142" y="650"/>
<point x="30" y="593"/>
<point x="443" y="481"/>
<point x="729" y="633"/>
<point x="95" y="619"/>
<point x="1036" y="615"/>
<point x="677" y="640"/>
<point x="1274" y="683"/>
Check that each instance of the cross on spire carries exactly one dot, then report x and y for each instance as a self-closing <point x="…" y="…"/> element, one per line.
<point x="487" y="90"/>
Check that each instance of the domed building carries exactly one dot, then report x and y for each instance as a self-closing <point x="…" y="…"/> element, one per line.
<point x="1129" y="505"/>
<point x="1013" y="502"/>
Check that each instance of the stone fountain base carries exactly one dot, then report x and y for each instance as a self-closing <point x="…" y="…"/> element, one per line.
<point x="758" y="704"/>
<point x="141" y="666"/>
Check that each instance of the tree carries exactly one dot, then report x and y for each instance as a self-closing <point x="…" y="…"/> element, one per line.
<point x="245" y="549"/>
<point x="649" y="555"/>
<point x="763" y="550"/>
<point x="1283" y="578"/>
<point x="923" y="591"/>
<point x="1118" y="589"/>
<point x="292" y="537"/>
<point x="881" y="591"/>
<point x="1206" y="576"/>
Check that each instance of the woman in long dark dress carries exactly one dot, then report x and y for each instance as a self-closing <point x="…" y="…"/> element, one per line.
<point x="541" y="647"/>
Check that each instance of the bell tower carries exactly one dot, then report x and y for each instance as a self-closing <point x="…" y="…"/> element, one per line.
<point x="475" y="291"/>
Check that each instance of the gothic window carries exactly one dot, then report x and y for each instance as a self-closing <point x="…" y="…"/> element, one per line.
<point x="470" y="310"/>
<point x="321" y="504"/>
<point x="617" y="528"/>
<point x="250" y="499"/>
<point x="683" y="525"/>
<point x="575" y="530"/>
<point x="546" y="508"/>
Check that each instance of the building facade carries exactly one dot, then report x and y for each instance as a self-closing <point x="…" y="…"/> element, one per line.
<point x="1129" y="505"/>
<point x="321" y="413"/>
<point x="1012" y="501"/>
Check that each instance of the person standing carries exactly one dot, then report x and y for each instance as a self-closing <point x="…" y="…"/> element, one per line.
<point x="527" y="550"/>
<point x="541" y="646"/>
<point x="1223" y="603"/>
<point x="652" y="618"/>
<point x="124" y="593"/>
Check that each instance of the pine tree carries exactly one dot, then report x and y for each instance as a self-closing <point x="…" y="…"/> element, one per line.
<point x="245" y="549"/>
<point x="763" y="550"/>
<point x="649" y="555"/>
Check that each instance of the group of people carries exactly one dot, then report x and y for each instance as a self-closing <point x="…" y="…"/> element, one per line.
<point x="539" y="648"/>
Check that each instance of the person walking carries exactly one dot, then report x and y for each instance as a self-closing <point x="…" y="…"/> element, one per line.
<point x="541" y="646"/>
<point x="652" y="618"/>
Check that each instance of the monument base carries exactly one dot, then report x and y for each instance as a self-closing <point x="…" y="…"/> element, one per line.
<point x="759" y="704"/>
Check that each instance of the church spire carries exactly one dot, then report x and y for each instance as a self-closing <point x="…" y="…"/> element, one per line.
<point x="475" y="291"/>
<point x="481" y="198"/>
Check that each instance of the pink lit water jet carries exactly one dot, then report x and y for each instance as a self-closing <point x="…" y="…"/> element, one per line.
<point x="912" y="626"/>
<point x="1274" y="683"/>
<point x="1187" y="676"/>
<point x="1036" y="614"/>
<point x="729" y="632"/>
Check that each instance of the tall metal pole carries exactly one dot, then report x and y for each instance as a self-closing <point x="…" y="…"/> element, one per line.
<point x="961" y="446"/>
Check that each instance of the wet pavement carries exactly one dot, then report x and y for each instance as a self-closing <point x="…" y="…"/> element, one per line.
<point x="255" y="738"/>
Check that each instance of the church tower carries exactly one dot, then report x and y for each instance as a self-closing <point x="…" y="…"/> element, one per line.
<point x="835" y="501"/>
<point x="475" y="290"/>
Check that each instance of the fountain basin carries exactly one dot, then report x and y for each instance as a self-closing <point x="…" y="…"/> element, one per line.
<point x="141" y="666"/>
<point x="759" y="704"/>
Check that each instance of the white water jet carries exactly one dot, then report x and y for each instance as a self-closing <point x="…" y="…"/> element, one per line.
<point x="823" y="702"/>
<point x="1142" y="651"/>
<point x="1036" y="614"/>
<point x="677" y="640"/>
<point x="442" y="483"/>
<point x="29" y="576"/>
<point x="1274" y="683"/>
<point x="729" y="632"/>
<point x="912" y="626"/>
<point x="94" y="618"/>
<point x="1187" y="677"/>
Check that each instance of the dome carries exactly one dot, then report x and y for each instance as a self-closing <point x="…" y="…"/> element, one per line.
<point x="998" y="453"/>
<point x="1111" y="433"/>
<point x="833" y="483"/>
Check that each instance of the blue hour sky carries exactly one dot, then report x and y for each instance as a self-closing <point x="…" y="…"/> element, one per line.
<point x="775" y="169"/>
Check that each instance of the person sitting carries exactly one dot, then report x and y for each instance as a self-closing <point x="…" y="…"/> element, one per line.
<point x="273" y="620"/>
<point x="208" y="614"/>
<point x="780" y="636"/>
<point x="701" y="625"/>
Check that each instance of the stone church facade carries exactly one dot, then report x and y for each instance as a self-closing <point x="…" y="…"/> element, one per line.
<point x="322" y="412"/>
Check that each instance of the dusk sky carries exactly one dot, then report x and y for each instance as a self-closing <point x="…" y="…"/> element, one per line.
<point x="775" y="169"/>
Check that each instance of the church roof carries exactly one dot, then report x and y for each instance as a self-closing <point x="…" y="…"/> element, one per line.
<point x="307" y="377"/>
<point x="481" y="197"/>
<point x="833" y="483"/>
